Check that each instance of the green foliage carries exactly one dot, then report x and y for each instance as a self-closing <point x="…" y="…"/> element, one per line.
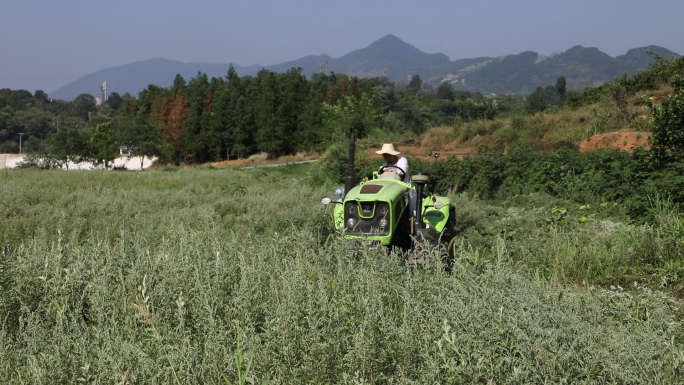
<point x="351" y="113"/>
<point x="39" y="161"/>
<point x="114" y="101"/>
<point x="668" y="126"/>
<point x="661" y="72"/>
<point x="561" y="88"/>
<point x="489" y="173"/>
<point x="536" y="102"/>
<point x="103" y="148"/>
<point x="135" y="134"/>
<point x="69" y="144"/>
<point x="15" y="100"/>
<point x="480" y="109"/>
<point x="333" y="164"/>
<point x="83" y="106"/>
<point x="664" y="184"/>
<point x="631" y="180"/>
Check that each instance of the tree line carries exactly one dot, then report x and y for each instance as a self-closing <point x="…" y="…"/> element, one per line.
<point x="205" y="119"/>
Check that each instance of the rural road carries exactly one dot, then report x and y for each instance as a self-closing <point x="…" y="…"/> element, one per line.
<point x="11" y="161"/>
<point x="279" y="164"/>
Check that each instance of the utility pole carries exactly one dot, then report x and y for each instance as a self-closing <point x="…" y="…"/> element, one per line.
<point x="20" y="134"/>
<point x="323" y="66"/>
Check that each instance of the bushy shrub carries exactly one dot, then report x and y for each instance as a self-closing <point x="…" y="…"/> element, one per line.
<point x="44" y="162"/>
<point x="506" y="136"/>
<point x="333" y="164"/>
<point x="605" y="175"/>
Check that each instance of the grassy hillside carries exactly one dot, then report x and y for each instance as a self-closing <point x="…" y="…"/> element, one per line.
<point x="552" y="129"/>
<point x="225" y="276"/>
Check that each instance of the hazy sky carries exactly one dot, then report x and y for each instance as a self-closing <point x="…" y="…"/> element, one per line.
<point x="45" y="44"/>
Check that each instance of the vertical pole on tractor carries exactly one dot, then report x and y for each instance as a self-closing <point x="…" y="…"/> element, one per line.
<point x="350" y="174"/>
<point x="420" y="187"/>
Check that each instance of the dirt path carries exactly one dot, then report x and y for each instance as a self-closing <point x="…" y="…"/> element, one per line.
<point x="11" y="161"/>
<point x="279" y="164"/>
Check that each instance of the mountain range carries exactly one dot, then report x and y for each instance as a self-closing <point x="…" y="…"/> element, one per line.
<point x="391" y="57"/>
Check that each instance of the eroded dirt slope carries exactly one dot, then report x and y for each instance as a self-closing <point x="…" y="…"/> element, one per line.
<point x="624" y="140"/>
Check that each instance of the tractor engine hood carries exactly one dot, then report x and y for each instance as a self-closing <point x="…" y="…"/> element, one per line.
<point x="377" y="190"/>
<point x="371" y="210"/>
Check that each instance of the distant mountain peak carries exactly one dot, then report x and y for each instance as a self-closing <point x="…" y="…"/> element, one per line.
<point x="396" y="60"/>
<point x="391" y="42"/>
<point x="387" y="49"/>
<point x="389" y="38"/>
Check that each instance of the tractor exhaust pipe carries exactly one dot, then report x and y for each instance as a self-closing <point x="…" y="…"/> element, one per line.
<point x="420" y="180"/>
<point x="350" y="174"/>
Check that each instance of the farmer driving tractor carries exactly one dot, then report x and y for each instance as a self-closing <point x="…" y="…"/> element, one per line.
<point x="393" y="209"/>
<point x="394" y="164"/>
<point x="397" y="167"/>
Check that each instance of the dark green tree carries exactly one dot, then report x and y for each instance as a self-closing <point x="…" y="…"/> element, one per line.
<point x="69" y="144"/>
<point x="102" y="145"/>
<point x="135" y="134"/>
<point x="243" y="115"/>
<point x="536" y="102"/>
<point x="114" y="101"/>
<point x="414" y="85"/>
<point x="363" y="115"/>
<point x="561" y="89"/>
<point x="215" y="136"/>
<point x="40" y="97"/>
<point x="16" y="100"/>
<point x="668" y="126"/>
<point x="8" y="130"/>
<point x="294" y="93"/>
<point x="310" y="136"/>
<point x="83" y="106"/>
<point x="34" y="122"/>
<point x="444" y="91"/>
<point x="226" y="116"/>
<point x="178" y="83"/>
<point x="271" y="132"/>
<point x="194" y="136"/>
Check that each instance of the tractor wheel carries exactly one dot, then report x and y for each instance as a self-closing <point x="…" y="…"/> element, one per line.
<point x="402" y="234"/>
<point x="416" y="258"/>
<point x="450" y="241"/>
<point x="449" y="254"/>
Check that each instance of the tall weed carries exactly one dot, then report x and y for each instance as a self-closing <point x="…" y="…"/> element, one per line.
<point x="223" y="276"/>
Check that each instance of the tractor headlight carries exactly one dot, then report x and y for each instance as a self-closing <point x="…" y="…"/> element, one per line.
<point x="439" y="205"/>
<point x="339" y="192"/>
<point x="383" y="223"/>
<point x="350" y="208"/>
<point x="326" y="201"/>
<point x="351" y="222"/>
<point x="383" y="210"/>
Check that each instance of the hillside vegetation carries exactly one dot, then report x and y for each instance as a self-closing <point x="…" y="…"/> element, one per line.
<point x="217" y="119"/>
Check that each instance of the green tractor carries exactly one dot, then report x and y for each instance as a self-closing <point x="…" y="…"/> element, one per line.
<point x="387" y="211"/>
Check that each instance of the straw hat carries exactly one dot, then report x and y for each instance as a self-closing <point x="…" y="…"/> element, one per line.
<point x="387" y="148"/>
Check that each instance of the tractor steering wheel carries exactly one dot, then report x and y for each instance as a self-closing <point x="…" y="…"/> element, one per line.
<point x="397" y="170"/>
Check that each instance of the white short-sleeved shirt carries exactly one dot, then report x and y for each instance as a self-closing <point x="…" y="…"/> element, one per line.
<point x="402" y="163"/>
